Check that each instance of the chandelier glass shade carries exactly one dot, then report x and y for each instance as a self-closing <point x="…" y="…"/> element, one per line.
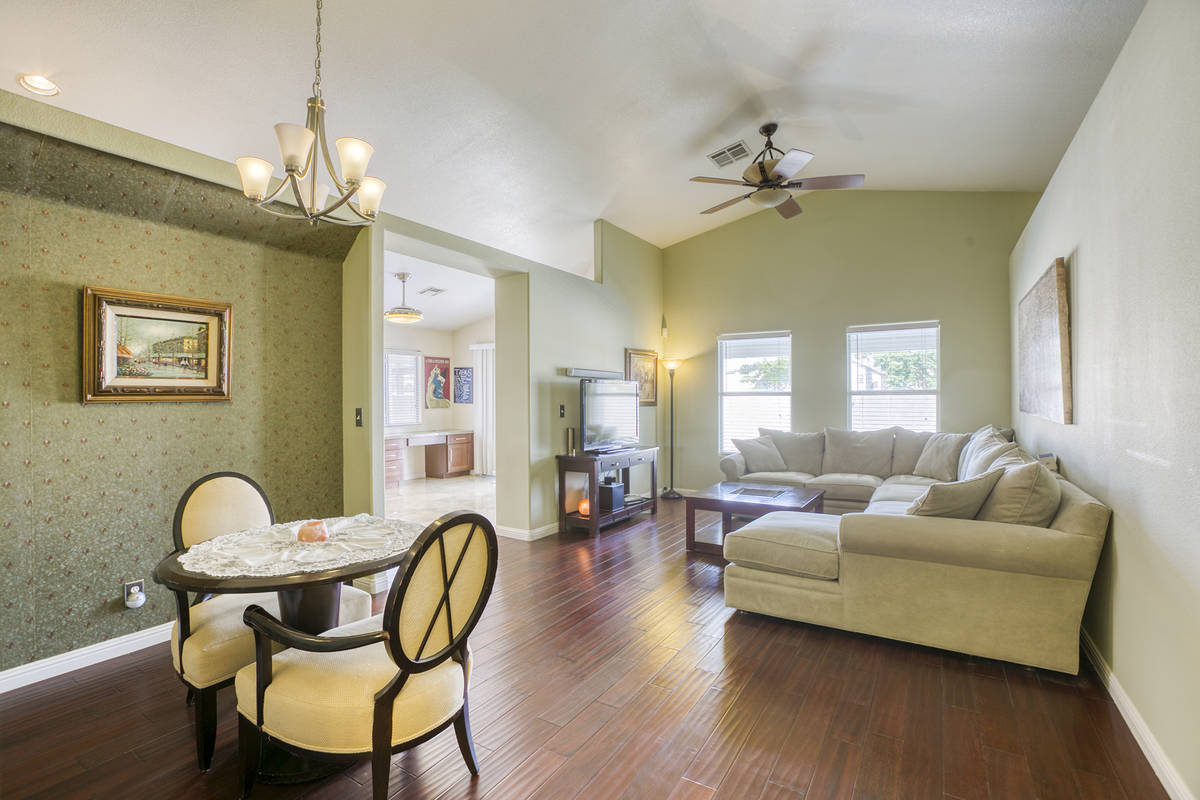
<point x="403" y="313"/>
<point x="304" y="151"/>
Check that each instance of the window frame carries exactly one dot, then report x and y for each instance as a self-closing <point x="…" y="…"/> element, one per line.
<point x="387" y="397"/>
<point x="851" y="393"/>
<point x="722" y="394"/>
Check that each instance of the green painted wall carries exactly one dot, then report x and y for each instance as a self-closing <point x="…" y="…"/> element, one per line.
<point x="852" y="258"/>
<point x="1124" y="210"/>
<point x="87" y="492"/>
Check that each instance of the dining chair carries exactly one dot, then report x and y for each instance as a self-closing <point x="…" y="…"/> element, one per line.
<point x="385" y="684"/>
<point x="209" y="641"/>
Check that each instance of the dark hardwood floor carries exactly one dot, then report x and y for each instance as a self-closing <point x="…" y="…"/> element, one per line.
<point x="610" y="668"/>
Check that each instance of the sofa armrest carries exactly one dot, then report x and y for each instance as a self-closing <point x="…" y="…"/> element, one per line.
<point x="734" y="466"/>
<point x="971" y="543"/>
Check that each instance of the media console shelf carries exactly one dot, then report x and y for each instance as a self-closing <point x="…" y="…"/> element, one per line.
<point x="594" y="465"/>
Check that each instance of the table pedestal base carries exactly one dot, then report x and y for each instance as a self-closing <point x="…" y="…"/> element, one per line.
<point x="312" y="609"/>
<point x="281" y="767"/>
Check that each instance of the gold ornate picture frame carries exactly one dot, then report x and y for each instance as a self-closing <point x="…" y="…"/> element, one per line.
<point x="642" y="366"/>
<point x="139" y="346"/>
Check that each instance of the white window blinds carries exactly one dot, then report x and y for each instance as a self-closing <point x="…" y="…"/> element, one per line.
<point x="403" y="401"/>
<point x="755" y="374"/>
<point x="892" y="373"/>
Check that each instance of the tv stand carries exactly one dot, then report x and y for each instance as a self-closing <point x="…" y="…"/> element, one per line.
<point x="593" y="464"/>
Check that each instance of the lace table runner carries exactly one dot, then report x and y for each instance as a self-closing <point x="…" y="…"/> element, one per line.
<point x="273" y="550"/>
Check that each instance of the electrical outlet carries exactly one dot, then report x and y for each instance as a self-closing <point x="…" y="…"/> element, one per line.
<point x="135" y="593"/>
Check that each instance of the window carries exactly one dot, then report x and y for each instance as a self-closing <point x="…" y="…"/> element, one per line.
<point x="755" y="374"/>
<point x="403" y="401"/>
<point x="892" y="372"/>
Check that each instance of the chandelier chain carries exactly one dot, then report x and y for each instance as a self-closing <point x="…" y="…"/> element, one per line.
<point x="316" y="87"/>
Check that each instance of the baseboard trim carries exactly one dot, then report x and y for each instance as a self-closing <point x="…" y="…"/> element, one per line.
<point x="526" y="535"/>
<point x="1172" y="781"/>
<point x="72" y="660"/>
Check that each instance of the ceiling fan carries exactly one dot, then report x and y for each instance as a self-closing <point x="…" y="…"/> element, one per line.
<point x="771" y="176"/>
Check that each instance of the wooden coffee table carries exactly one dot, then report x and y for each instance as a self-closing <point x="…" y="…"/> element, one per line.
<point x="745" y="499"/>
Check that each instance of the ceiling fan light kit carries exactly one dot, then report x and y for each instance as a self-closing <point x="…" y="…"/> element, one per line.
<point x="771" y="178"/>
<point x="304" y="149"/>
<point x="403" y="313"/>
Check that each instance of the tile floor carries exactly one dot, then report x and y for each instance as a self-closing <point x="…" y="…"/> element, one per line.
<point x="426" y="499"/>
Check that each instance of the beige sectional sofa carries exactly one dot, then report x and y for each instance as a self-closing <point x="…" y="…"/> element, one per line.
<point x="1009" y="581"/>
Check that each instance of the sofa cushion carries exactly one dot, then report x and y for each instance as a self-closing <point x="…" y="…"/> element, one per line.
<point x="802" y="452"/>
<point x="983" y="455"/>
<point x="898" y="491"/>
<point x="888" y="507"/>
<point x="760" y="455"/>
<point x="960" y="499"/>
<point x="791" y="542"/>
<point x="845" y="485"/>
<point x="859" y="452"/>
<point x="784" y="478"/>
<point x="1080" y="513"/>
<point x="939" y="457"/>
<point x="907" y="449"/>
<point x="910" y="480"/>
<point x="1025" y="495"/>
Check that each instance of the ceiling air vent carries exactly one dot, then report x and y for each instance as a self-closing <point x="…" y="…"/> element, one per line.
<point x="730" y="153"/>
<point x="431" y="291"/>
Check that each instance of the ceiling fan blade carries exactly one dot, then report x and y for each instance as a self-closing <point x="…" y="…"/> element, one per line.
<point x="792" y="162"/>
<point x="726" y="204"/>
<point x="788" y="208"/>
<point x="729" y="181"/>
<point x="828" y="182"/>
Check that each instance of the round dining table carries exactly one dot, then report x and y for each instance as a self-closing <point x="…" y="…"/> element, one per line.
<point x="307" y="577"/>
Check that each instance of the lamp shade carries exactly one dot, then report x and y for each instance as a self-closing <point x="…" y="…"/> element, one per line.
<point x="318" y="202"/>
<point x="672" y="364"/>
<point x="354" y="155"/>
<point x="256" y="176"/>
<point x="769" y="198"/>
<point x="403" y="314"/>
<point x="295" y="143"/>
<point x="370" y="196"/>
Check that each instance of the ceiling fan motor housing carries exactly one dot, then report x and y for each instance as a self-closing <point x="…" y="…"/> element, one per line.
<point x="753" y="174"/>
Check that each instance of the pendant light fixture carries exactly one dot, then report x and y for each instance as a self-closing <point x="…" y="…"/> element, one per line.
<point x="304" y="148"/>
<point x="403" y="313"/>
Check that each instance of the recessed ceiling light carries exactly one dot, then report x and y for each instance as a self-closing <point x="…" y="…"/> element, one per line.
<point x="39" y="85"/>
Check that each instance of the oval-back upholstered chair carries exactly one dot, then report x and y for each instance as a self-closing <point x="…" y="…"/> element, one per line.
<point x="388" y="683"/>
<point x="209" y="641"/>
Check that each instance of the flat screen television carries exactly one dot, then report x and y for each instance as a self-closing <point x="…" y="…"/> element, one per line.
<point x="608" y="414"/>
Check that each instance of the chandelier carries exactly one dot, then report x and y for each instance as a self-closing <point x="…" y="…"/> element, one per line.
<point x="403" y="313"/>
<point x="304" y="148"/>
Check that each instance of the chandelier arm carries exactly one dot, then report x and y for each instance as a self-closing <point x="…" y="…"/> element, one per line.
<point x="283" y="184"/>
<point x="359" y="214"/>
<point x="283" y="214"/>
<point x="333" y="175"/>
<point x="341" y="201"/>
<point x="298" y="191"/>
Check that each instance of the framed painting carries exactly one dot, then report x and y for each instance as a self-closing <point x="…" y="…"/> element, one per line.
<point x="1044" y="347"/>
<point x="437" y="382"/>
<point x="642" y="366"/>
<point x="464" y="385"/>
<point x="139" y="346"/>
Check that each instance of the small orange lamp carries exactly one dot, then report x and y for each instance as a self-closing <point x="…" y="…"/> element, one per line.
<point x="584" y="507"/>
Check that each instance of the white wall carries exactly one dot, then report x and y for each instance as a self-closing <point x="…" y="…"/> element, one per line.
<point x="1124" y="208"/>
<point x="428" y="343"/>
<point x="481" y="332"/>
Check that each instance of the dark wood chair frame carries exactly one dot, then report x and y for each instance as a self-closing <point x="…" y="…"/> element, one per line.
<point x="204" y="699"/>
<point x="268" y="630"/>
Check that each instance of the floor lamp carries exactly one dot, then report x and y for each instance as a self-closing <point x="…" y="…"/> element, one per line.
<point x="669" y="493"/>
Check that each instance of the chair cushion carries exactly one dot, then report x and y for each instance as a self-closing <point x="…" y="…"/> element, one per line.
<point x="959" y="500"/>
<point x="906" y="492"/>
<point x="1028" y="494"/>
<point x="860" y="452"/>
<point x="326" y="701"/>
<point x="792" y="542"/>
<point x="907" y="449"/>
<point x="939" y="458"/>
<point x="220" y="643"/>
<point x="760" y="454"/>
<point x="845" y="485"/>
<point x="784" y="478"/>
<point x="801" y="452"/>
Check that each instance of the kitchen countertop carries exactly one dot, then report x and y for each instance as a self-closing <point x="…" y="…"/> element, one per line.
<point x="407" y="434"/>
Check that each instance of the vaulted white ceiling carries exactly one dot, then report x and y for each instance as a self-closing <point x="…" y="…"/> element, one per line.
<point x="517" y="124"/>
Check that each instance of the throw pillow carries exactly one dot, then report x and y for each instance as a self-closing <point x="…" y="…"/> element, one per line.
<point x="802" y="452"/>
<point x="859" y="452"/>
<point x="760" y="455"/>
<point x="907" y="450"/>
<point x="1025" y="495"/>
<point x="939" y="457"/>
<point x="973" y="444"/>
<point x="959" y="500"/>
<point x="983" y="454"/>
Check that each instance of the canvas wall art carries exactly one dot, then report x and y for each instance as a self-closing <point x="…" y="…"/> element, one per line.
<point x="143" y="346"/>
<point x="1044" y="347"/>
<point x="642" y="366"/>
<point x="437" y="382"/>
<point x="464" y="385"/>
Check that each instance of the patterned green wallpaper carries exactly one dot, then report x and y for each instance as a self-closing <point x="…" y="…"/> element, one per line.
<point x="87" y="493"/>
